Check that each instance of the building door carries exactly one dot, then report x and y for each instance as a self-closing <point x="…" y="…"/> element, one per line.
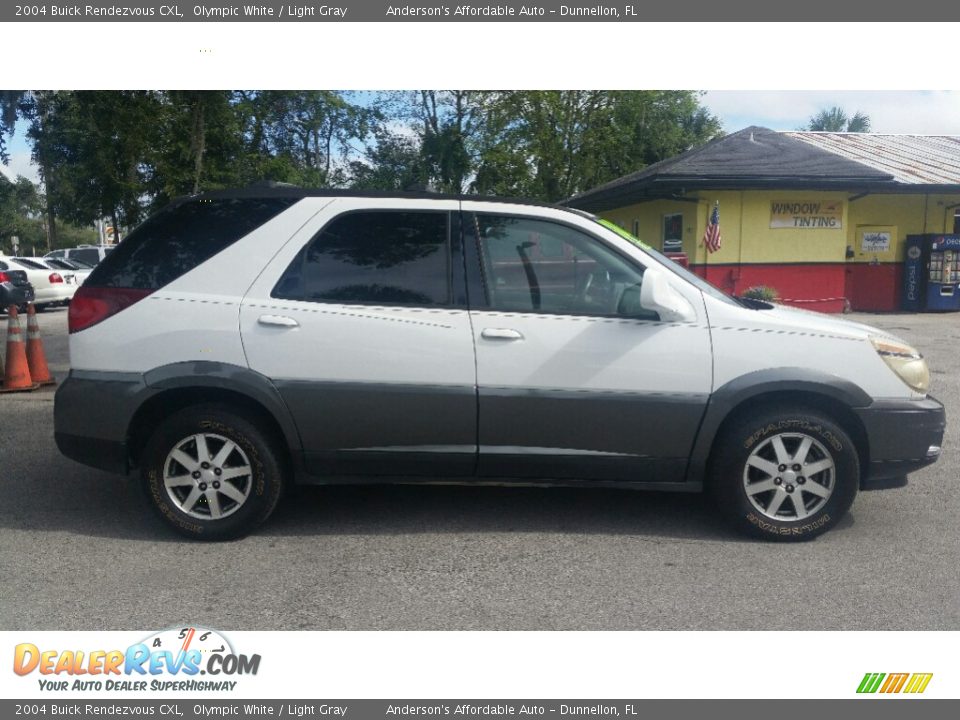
<point x="872" y="279"/>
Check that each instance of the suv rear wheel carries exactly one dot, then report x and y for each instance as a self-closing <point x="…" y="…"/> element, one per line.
<point x="785" y="474"/>
<point x="211" y="473"/>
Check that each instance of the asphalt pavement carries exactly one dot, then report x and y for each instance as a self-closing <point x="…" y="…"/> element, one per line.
<point x="79" y="549"/>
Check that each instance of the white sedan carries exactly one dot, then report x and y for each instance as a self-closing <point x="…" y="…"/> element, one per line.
<point x="50" y="286"/>
<point x="68" y="268"/>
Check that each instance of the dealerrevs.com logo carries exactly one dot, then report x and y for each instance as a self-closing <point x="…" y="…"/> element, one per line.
<point x="911" y="683"/>
<point x="170" y="660"/>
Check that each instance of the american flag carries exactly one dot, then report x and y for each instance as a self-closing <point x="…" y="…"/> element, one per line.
<point x="711" y="236"/>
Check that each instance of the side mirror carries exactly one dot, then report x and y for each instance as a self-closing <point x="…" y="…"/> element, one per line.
<point x="657" y="294"/>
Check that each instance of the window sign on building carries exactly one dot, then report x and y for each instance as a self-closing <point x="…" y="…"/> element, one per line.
<point x="672" y="232"/>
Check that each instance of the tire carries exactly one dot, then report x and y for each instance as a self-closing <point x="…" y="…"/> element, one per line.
<point x="757" y="486"/>
<point x="198" y="504"/>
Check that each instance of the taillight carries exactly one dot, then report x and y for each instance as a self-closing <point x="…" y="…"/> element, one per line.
<point x="95" y="304"/>
<point x="55" y="278"/>
<point x="4" y="277"/>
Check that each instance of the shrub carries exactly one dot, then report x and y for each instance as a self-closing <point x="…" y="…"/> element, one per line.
<point x="761" y="292"/>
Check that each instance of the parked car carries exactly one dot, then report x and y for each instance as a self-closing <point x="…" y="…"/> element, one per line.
<point x="15" y="288"/>
<point x="68" y="273"/>
<point x="237" y="341"/>
<point x="73" y="271"/>
<point x="50" y="287"/>
<point x="88" y="254"/>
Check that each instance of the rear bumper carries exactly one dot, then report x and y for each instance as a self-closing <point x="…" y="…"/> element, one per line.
<point x="904" y="436"/>
<point x="109" y="455"/>
<point x="91" y="414"/>
<point x="11" y="294"/>
<point x="52" y="296"/>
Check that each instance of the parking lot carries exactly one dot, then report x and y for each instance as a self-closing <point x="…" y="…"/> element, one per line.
<point x="79" y="548"/>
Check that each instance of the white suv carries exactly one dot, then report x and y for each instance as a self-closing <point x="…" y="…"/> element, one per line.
<point x="237" y="341"/>
<point x="89" y="255"/>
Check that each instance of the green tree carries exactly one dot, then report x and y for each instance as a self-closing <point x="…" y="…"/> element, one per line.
<point x="95" y="150"/>
<point x="835" y="119"/>
<point x="552" y="144"/>
<point x="21" y="209"/>
<point x="392" y="162"/>
<point x="199" y="144"/>
<point x="9" y="112"/>
<point x="304" y="137"/>
<point x="447" y="128"/>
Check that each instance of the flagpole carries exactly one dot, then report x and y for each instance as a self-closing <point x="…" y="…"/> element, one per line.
<point x="706" y="246"/>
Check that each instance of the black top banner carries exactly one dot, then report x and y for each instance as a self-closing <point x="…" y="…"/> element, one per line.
<point x="810" y="11"/>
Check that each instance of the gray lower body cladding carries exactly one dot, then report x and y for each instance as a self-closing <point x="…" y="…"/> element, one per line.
<point x="458" y="432"/>
<point x="901" y="434"/>
<point x="359" y="432"/>
<point x="91" y="417"/>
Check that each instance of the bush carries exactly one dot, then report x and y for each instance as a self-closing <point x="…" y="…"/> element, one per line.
<point x="761" y="292"/>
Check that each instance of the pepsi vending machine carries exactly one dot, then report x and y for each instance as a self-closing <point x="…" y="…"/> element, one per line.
<point x="931" y="278"/>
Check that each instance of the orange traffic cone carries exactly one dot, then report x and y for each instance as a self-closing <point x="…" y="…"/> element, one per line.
<point x="16" y="378"/>
<point x="36" y="358"/>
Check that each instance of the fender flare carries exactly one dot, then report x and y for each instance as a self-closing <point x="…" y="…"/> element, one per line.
<point x="792" y="379"/>
<point x="225" y="376"/>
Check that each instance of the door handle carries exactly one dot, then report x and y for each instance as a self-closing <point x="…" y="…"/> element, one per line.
<point x="278" y="321"/>
<point x="501" y="334"/>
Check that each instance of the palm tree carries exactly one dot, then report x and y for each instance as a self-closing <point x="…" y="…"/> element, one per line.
<point x="836" y="120"/>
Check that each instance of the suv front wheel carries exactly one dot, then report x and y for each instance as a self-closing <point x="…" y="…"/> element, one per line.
<point x="785" y="475"/>
<point x="211" y="473"/>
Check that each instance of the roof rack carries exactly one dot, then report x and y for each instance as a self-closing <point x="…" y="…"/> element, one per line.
<point x="269" y="188"/>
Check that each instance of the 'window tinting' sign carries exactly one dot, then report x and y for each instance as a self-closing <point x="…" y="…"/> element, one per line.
<point x="807" y="215"/>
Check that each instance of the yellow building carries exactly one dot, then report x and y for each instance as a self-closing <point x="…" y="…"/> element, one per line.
<point x="820" y="217"/>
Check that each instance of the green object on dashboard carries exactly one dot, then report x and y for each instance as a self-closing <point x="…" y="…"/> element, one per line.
<point x="623" y="233"/>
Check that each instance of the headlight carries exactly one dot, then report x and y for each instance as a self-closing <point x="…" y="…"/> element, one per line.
<point x="905" y="361"/>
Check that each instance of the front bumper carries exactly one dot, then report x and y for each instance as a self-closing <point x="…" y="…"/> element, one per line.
<point x="903" y="436"/>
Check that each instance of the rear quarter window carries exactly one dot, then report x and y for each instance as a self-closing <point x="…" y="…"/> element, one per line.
<point x="181" y="237"/>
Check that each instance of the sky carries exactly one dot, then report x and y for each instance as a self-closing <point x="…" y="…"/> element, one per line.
<point x="909" y="111"/>
<point x="913" y="111"/>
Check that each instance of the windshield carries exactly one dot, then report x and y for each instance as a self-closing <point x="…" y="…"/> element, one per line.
<point x="674" y="267"/>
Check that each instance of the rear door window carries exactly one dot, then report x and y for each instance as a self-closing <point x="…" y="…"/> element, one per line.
<point x="376" y="257"/>
<point x="179" y="238"/>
